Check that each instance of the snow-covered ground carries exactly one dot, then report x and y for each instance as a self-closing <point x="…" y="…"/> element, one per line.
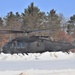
<point x="48" y="63"/>
<point x="39" y="72"/>
<point x="38" y="56"/>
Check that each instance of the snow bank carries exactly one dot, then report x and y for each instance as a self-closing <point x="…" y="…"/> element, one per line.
<point x="38" y="56"/>
<point x="12" y="64"/>
<point x="50" y="72"/>
<point x="39" y="72"/>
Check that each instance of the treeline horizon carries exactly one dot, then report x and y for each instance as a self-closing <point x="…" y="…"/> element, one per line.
<point x="34" y="19"/>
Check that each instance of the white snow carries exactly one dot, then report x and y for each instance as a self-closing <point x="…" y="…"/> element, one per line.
<point x="38" y="56"/>
<point x="39" y="72"/>
<point x="48" y="63"/>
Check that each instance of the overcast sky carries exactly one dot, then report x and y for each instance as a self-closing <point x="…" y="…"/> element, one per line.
<point x="66" y="7"/>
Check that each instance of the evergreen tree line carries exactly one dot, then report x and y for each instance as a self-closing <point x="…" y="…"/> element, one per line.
<point x="32" y="18"/>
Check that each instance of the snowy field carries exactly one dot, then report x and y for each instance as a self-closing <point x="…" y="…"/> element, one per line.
<point x="37" y="56"/>
<point x="39" y="72"/>
<point x="48" y="63"/>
